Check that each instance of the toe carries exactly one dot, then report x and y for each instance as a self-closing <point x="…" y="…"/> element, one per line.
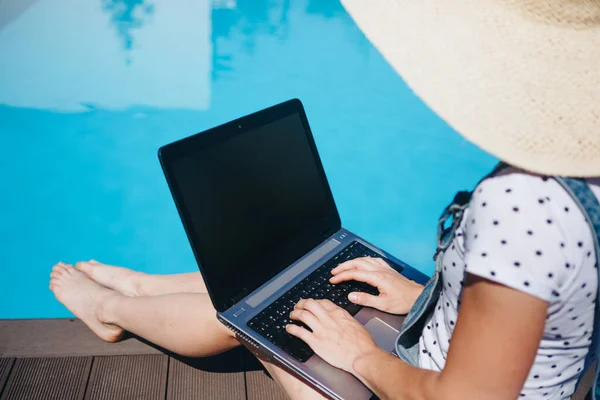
<point x="83" y="266"/>
<point x="59" y="268"/>
<point x="69" y="268"/>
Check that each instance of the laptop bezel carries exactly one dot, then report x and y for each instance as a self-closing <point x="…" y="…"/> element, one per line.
<point x="186" y="147"/>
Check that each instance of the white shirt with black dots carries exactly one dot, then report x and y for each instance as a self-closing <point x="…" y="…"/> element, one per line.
<point x="527" y="233"/>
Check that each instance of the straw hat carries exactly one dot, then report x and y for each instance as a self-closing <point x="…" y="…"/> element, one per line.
<point x="519" y="78"/>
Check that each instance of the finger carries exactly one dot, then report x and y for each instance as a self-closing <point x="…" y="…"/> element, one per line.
<point x="357" y="275"/>
<point x="365" y="299"/>
<point x="328" y="305"/>
<point x="358" y="263"/>
<point x="301" y="333"/>
<point x="314" y="306"/>
<point x="307" y="317"/>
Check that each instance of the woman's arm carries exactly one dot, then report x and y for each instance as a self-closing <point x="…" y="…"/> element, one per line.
<point x="493" y="347"/>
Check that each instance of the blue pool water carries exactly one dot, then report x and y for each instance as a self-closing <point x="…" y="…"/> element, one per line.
<point x="90" y="89"/>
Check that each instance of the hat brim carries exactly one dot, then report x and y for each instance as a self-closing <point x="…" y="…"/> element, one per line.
<point x="524" y="89"/>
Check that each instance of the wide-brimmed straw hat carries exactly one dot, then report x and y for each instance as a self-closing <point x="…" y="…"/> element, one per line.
<point x="519" y="78"/>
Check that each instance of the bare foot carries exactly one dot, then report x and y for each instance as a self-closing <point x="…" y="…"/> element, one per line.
<point x="84" y="298"/>
<point x="123" y="280"/>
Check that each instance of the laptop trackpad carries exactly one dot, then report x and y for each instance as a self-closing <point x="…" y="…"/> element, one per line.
<point x="383" y="334"/>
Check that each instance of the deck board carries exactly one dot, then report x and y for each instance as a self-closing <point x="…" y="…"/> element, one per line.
<point x="187" y="382"/>
<point x="263" y="387"/>
<point x="46" y="337"/>
<point x="59" y="378"/>
<point x="259" y="385"/>
<point x="128" y="377"/>
<point x="6" y="364"/>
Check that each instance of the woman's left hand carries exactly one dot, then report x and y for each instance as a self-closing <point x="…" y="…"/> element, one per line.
<point x="336" y="336"/>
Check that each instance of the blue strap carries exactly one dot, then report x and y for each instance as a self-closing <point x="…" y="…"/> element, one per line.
<point x="588" y="203"/>
<point x="454" y="213"/>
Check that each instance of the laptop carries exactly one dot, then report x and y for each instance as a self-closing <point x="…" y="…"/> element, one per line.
<point x="265" y="231"/>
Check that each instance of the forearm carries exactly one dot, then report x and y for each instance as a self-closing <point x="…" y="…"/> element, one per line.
<point x="391" y="378"/>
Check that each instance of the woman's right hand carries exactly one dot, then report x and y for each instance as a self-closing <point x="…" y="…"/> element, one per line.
<point x="397" y="294"/>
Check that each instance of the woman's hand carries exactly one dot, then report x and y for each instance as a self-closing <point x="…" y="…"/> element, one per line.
<point x="397" y="294"/>
<point x="336" y="336"/>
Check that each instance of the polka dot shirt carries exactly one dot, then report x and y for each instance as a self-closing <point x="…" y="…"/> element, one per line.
<point x="525" y="232"/>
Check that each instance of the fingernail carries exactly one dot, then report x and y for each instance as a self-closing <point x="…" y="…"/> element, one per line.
<point x="352" y="296"/>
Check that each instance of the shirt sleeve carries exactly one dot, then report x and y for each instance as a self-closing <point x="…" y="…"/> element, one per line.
<point x="514" y="237"/>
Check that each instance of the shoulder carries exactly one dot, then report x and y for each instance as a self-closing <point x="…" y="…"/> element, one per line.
<point x="527" y="196"/>
<point x="523" y="230"/>
<point x="513" y="184"/>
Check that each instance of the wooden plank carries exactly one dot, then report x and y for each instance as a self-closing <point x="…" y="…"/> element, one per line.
<point x="188" y="382"/>
<point x="220" y="376"/>
<point x="5" y="368"/>
<point x="48" y="338"/>
<point x="128" y="377"/>
<point x="260" y="386"/>
<point x="250" y="361"/>
<point x="48" y="378"/>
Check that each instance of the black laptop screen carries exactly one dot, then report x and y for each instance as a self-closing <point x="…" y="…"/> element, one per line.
<point x="254" y="203"/>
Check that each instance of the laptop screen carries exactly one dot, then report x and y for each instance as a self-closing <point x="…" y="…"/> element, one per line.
<point x="255" y="203"/>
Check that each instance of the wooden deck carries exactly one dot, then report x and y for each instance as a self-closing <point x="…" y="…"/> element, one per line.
<point x="60" y="359"/>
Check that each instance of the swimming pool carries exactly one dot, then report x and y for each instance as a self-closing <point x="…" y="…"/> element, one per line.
<point x="89" y="91"/>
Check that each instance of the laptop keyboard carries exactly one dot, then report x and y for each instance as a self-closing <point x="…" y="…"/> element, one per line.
<point x="271" y="322"/>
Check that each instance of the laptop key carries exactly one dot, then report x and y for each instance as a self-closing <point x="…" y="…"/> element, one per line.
<point x="298" y="349"/>
<point x="280" y="339"/>
<point x="339" y="302"/>
<point x="343" y="302"/>
<point x="335" y="294"/>
<point x="353" y="309"/>
<point x="320" y="294"/>
<point x="372" y="290"/>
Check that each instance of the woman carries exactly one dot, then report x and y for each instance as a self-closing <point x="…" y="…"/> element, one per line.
<point x="510" y="311"/>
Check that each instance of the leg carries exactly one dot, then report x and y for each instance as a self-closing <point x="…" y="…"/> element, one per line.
<point x="134" y="283"/>
<point x="184" y="323"/>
